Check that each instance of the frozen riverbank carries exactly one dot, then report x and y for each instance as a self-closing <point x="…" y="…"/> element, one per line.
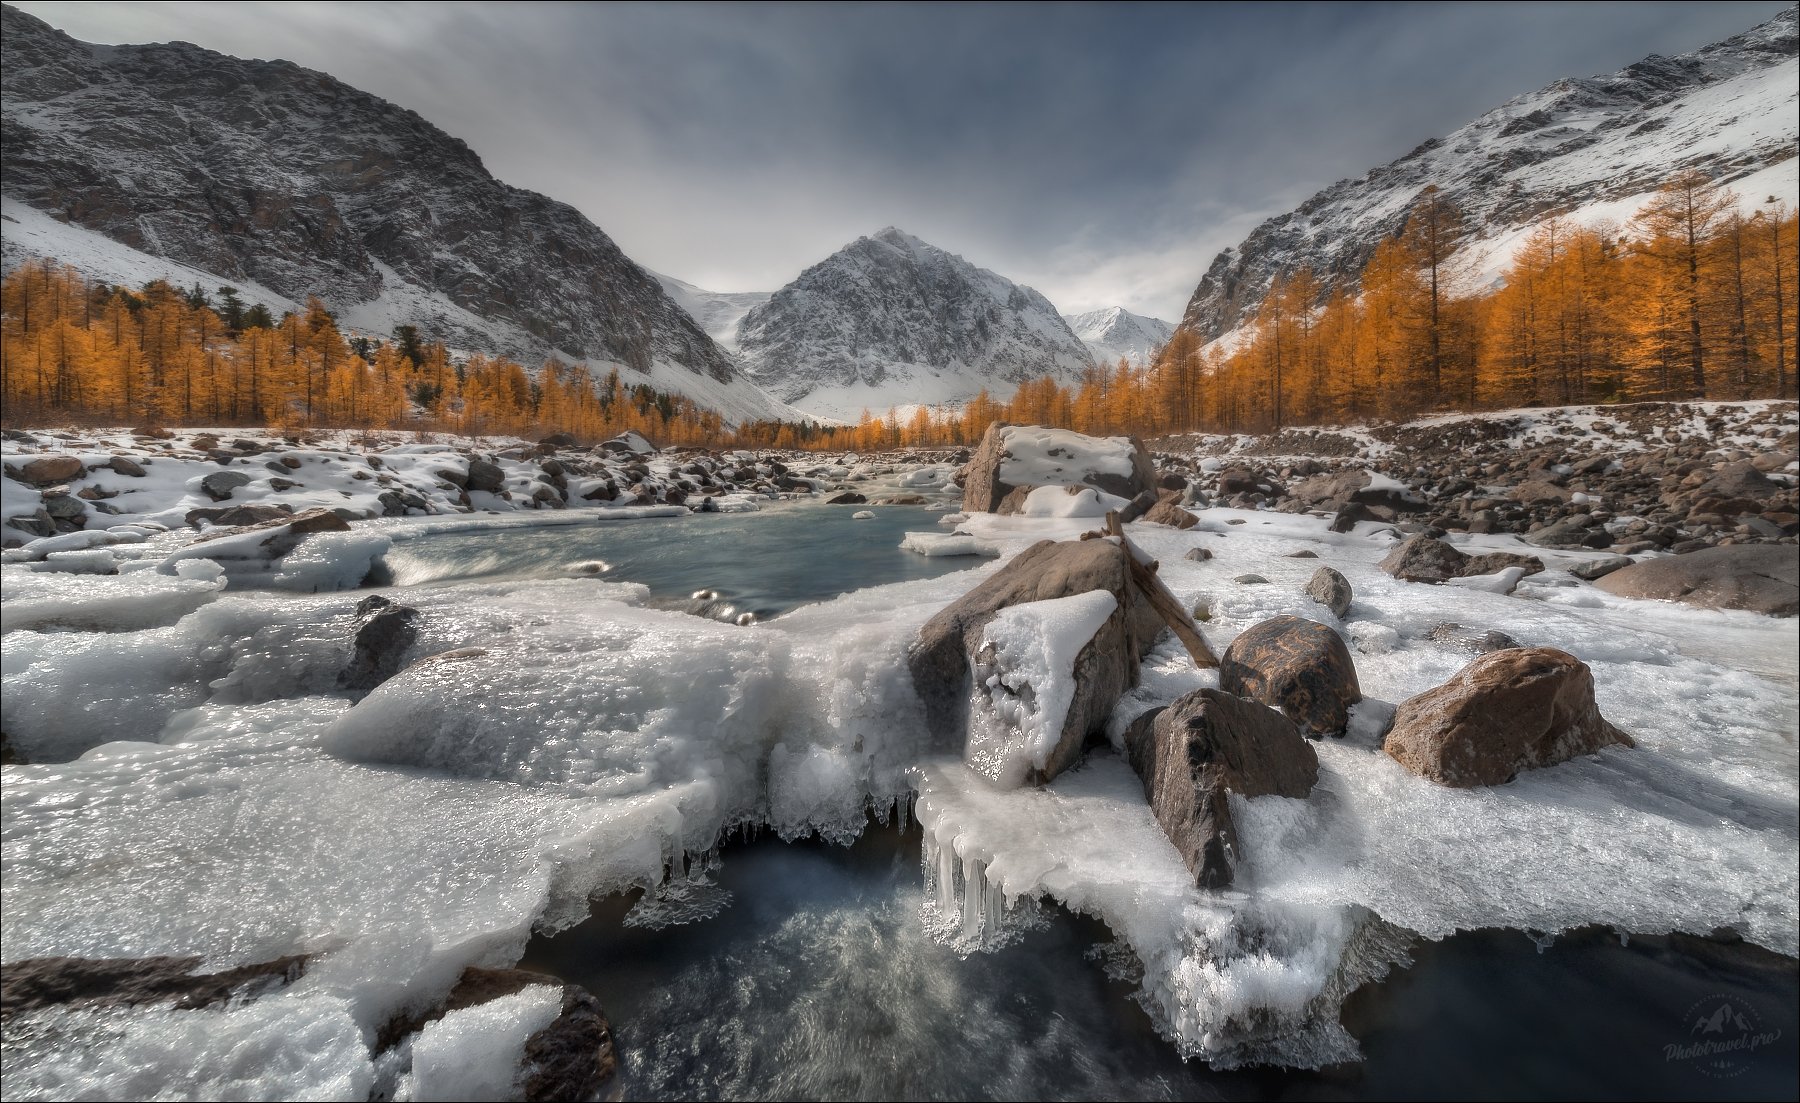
<point x="220" y="795"/>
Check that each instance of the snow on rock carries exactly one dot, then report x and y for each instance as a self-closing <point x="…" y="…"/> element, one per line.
<point x="1025" y="674"/>
<point x="1069" y="501"/>
<point x="1014" y="457"/>
<point x="476" y="1052"/>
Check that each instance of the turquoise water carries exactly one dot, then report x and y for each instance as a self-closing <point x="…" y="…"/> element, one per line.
<point x="763" y="563"/>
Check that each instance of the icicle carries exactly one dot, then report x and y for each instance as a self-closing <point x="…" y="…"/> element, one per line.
<point x="993" y="908"/>
<point x="972" y="896"/>
<point x="946" y="881"/>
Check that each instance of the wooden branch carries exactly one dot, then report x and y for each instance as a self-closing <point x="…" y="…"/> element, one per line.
<point x="1161" y="600"/>
<point x="1171" y="611"/>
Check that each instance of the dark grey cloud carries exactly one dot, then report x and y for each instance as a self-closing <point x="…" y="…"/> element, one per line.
<point x="1102" y="153"/>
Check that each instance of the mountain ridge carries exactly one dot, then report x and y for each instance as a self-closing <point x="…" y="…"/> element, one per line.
<point x="267" y="173"/>
<point x="1577" y="144"/>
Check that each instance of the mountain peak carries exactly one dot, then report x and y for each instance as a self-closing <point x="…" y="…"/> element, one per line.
<point x="1113" y="333"/>
<point x="890" y="320"/>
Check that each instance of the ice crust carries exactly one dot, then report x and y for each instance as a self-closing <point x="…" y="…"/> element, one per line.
<point x="216" y="796"/>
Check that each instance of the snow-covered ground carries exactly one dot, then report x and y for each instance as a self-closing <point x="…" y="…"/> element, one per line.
<point x="203" y="787"/>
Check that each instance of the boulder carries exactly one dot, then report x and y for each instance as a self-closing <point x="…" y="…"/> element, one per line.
<point x="386" y="633"/>
<point x="64" y="506"/>
<point x="1299" y="666"/>
<point x="1577" y="531"/>
<point x="126" y="466"/>
<point x="219" y="485"/>
<point x="236" y="516"/>
<point x="558" y="440"/>
<point x="49" y="470"/>
<point x="950" y="645"/>
<point x="1141" y="505"/>
<point x="1739" y="480"/>
<point x="1027" y="455"/>
<point x="1204" y="746"/>
<point x="1764" y="578"/>
<point x="1167" y="512"/>
<point x="1424" y="559"/>
<point x="1495" y="562"/>
<point x="485" y="476"/>
<point x="1198" y="555"/>
<point x="1348" y="514"/>
<point x="1470" y="639"/>
<point x="1592" y="569"/>
<point x="847" y="498"/>
<point x="1540" y="492"/>
<point x="1512" y="710"/>
<point x="1330" y="589"/>
<point x="1320" y="490"/>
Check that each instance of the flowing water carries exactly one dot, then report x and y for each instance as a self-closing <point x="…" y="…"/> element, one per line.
<point x="814" y="978"/>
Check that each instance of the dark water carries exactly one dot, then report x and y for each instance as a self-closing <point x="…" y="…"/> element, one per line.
<point x="817" y="982"/>
<point x="764" y="563"/>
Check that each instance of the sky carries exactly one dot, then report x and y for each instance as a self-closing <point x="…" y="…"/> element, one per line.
<point x="1102" y="154"/>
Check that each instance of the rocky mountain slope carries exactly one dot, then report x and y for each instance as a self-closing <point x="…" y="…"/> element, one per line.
<point x="1592" y="148"/>
<point x="889" y="320"/>
<point x="283" y="180"/>
<point x="1115" y="333"/>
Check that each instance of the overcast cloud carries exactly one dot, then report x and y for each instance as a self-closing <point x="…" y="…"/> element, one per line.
<point x="1102" y="154"/>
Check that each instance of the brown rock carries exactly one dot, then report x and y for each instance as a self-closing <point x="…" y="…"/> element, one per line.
<point x="50" y="470"/>
<point x="1495" y="562"/>
<point x="1764" y="578"/>
<point x="1167" y="512"/>
<point x="1424" y="559"/>
<point x="983" y="489"/>
<point x="1299" y="666"/>
<point x="1332" y="590"/>
<point x="1511" y="710"/>
<point x="941" y="659"/>
<point x="1205" y="745"/>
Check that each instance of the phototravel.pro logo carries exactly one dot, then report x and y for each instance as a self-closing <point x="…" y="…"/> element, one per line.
<point x="1724" y="1033"/>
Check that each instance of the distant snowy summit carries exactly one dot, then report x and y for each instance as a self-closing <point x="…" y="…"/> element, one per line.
<point x="1115" y="334"/>
<point x="1592" y="148"/>
<point x="891" y="321"/>
<point x="175" y="162"/>
<point x="718" y="312"/>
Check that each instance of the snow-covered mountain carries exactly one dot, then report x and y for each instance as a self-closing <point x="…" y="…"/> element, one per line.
<point x="718" y="312"/>
<point x="1115" y="333"/>
<point x="889" y="320"/>
<point x="1590" y="148"/>
<point x="174" y="160"/>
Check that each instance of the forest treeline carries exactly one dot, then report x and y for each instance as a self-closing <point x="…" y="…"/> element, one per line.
<point x="71" y="350"/>
<point x="1694" y="298"/>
